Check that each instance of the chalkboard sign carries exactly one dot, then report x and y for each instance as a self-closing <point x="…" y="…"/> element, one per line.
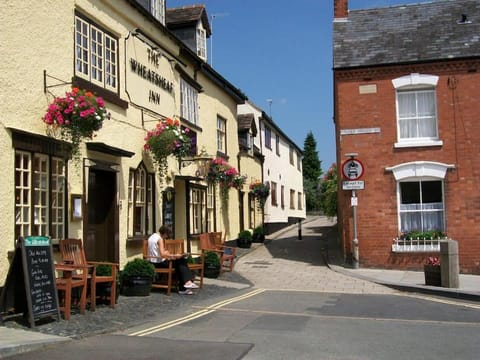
<point x="33" y="265"/>
<point x="168" y="207"/>
<point x="40" y="276"/>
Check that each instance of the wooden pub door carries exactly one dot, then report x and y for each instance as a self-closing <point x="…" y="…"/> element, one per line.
<point x="101" y="242"/>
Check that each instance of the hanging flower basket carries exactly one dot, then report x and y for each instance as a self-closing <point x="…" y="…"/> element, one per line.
<point x="76" y="116"/>
<point x="167" y="139"/>
<point x="260" y="192"/>
<point x="222" y="173"/>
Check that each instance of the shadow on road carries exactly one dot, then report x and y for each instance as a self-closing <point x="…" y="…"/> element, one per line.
<point x="317" y="246"/>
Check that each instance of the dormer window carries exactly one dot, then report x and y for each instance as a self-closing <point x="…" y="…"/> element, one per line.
<point x="156" y="8"/>
<point x="201" y="44"/>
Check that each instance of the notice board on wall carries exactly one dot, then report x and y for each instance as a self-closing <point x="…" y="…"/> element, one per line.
<point x="30" y="287"/>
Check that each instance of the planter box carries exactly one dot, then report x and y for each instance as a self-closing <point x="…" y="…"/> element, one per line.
<point x="433" y="275"/>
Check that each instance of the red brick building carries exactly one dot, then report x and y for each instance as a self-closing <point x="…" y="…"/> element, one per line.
<point x="407" y="101"/>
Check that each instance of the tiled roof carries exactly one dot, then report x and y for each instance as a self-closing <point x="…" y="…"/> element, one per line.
<point x="407" y="33"/>
<point x="247" y="122"/>
<point x="188" y="15"/>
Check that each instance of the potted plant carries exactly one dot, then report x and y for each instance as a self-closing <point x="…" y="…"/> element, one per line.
<point x="432" y="272"/>
<point x="244" y="239"/>
<point x="258" y="235"/>
<point x="137" y="276"/>
<point x="211" y="264"/>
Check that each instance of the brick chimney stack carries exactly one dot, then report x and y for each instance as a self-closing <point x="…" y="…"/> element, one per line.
<point x="340" y="9"/>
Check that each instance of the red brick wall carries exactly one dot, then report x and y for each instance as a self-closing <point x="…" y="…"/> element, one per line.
<point x="458" y="106"/>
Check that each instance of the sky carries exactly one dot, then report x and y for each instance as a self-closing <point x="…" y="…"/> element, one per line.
<point x="279" y="54"/>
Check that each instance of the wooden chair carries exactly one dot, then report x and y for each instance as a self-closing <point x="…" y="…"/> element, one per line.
<point x="72" y="253"/>
<point x="229" y="252"/>
<point x="178" y="247"/>
<point x="71" y="277"/>
<point x="159" y="281"/>
<point x="226" y="253"/>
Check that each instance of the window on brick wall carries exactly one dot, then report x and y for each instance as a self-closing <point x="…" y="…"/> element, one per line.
<point x="417" y="123"/>
<point x="421" y="205"/>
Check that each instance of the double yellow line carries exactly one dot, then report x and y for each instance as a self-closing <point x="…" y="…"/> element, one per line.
<point x="195" y="315"/>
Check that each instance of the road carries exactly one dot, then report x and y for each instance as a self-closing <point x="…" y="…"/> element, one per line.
<point x="297" y="309"/>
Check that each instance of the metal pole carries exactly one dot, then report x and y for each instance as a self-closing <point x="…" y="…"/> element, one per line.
<point x="299" y="229"/>
<point x="355" y="255"/>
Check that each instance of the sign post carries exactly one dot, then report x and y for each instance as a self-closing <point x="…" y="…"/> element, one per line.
<point x="352" y="171"/>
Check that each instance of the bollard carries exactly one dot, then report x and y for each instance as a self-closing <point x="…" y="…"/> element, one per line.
<point x="449" y="265"/>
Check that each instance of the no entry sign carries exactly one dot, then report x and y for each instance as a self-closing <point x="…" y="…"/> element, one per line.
<point x="352" y="169"/>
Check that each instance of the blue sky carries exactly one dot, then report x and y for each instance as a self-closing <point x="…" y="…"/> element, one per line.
<point x="281" y="50"/>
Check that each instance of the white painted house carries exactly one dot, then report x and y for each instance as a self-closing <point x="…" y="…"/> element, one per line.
<point x="282" y="171"/>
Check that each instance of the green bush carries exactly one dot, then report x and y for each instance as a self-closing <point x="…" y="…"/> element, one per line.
<point x="138" y="267"/>
<point x="258" y="234"/>
<point x="211" y="259"/>
<point x="244" y="239"/>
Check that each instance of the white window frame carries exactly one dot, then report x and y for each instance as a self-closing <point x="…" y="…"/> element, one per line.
<point x="188" y="102"/>
<point x="96" y="54"/>
<point x="418" y="171"/>
<point x="198" y="210"/>
<point x="201" y="43"/>
<point x="140" y="196"/>
<point x="417" y="85"/>
<point x="157" y="8"/>
<point x="39" y="208"/>
<point x="221" y="135"/>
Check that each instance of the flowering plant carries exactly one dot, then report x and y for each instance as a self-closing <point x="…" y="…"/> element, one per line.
<point x="434" y="261"/>
<point x="167" y="139"/>
<point x="221" y="172"/>
<point x="260" y="192"/>
<point x="78" y="115"/>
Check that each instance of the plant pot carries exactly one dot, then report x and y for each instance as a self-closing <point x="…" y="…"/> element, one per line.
<point x="432" y="275"/>
<point x="244" y="243"/>
<point x="211" y="271"/>
<point x="259" y="238"/>
<point x="136" y="285"/>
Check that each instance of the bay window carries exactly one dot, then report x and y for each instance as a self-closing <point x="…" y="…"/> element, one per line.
<point x="140" y="202"/>
<point x="39" y="195"/>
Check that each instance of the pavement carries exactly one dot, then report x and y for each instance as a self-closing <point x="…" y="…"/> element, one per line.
<point x="283" y="262"/>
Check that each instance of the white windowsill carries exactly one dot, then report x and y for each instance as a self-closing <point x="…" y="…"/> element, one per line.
<point x="405" y="144"/>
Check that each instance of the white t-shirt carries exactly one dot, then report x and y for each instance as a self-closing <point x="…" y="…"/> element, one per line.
<point x="153" y="249"/>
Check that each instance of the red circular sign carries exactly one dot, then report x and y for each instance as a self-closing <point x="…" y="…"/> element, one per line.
<point x="352" y="169"/>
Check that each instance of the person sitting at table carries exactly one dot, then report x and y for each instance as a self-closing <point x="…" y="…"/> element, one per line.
<point x="160" y="257"/>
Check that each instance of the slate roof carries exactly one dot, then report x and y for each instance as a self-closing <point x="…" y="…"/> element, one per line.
<point x="407" y="33"/>
<point x="187" y="16"/>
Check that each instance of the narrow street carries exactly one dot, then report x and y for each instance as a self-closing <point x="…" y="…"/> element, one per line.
<point x="297" y="308"/>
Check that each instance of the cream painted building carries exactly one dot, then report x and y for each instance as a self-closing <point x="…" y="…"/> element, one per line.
<point x="121" y="51"/>
<point x="282" y="171"/>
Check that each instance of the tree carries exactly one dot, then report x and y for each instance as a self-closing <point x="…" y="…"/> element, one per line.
<point x="328" y="191"/>
<point x="312" y="173"/>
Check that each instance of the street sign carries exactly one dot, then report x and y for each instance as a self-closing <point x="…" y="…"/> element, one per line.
<point x="353" y="185"/>
<point x="352" y="169"/>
